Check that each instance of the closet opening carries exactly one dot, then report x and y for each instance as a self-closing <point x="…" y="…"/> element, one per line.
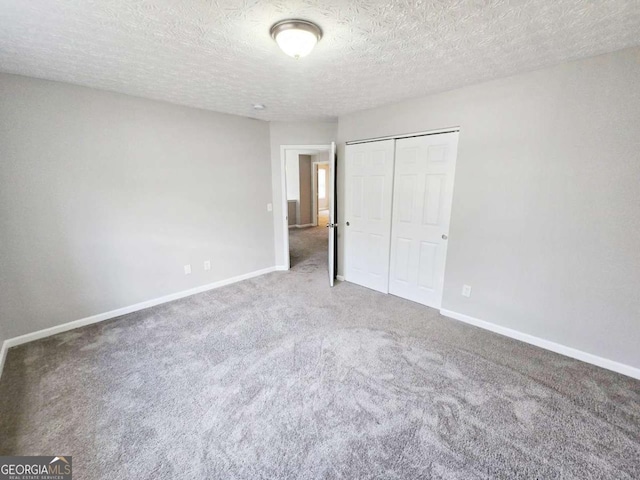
<point x="398" y="198"/>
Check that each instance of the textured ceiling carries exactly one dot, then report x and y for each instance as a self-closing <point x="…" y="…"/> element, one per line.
<point x="218" y="55"/>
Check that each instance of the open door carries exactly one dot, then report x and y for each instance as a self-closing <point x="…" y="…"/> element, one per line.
<point x="332" y="225"/>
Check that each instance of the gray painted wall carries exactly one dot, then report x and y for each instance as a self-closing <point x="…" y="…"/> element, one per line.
<point x="4" y="279"/>
<point x="3" y="337"/>
<point x="546" y="213"/>
<point x="291" y="133"/>
<point x="104" y="198"/>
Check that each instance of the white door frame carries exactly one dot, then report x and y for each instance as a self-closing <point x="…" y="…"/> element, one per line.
<point x="314" y="189"/>
<point x="283" y="181"/>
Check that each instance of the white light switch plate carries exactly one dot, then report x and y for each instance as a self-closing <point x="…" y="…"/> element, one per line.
<point x="269" y="207"/>
<point x="466" y="290"/>
<point x="207" y="264"/>
<point x="187" y="269"/>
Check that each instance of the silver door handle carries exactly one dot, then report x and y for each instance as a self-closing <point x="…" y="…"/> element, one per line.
<point x="444" y="236"/>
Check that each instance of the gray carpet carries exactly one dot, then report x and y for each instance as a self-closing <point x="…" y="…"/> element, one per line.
<point x="282" y="377"/>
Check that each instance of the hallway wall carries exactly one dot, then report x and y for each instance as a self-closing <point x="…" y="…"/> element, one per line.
<point x="305" y="214"/>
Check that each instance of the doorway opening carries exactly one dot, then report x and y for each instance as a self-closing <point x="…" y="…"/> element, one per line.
<point x="320" y="193"/>
<point x="308" y="191"/>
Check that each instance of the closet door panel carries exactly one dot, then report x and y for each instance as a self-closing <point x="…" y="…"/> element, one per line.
<point x="423" y="192"/>
<point x="367" y="227"/>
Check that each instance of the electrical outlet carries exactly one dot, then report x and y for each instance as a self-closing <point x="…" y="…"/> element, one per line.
<point x="207" y="264"/>
<point x="269" y="207"/>
<point x="187" y="269"/>
<point x="466" y="290"/>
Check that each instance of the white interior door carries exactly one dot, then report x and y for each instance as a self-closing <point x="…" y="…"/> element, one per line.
<point x="369" y="183"/>
<point x="423" y="193"/>
<point x="331" y="193"/>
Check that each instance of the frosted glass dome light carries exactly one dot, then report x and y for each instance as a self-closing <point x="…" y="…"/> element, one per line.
<point x="296" y="38"/>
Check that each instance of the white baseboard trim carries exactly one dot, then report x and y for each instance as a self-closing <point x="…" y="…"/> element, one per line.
<point x="303" y="226"/>
<point x="340" y="277"/>
<point x="546" y="344"/>
<point x="47" y="332"/>
<point x="281" y="268"/>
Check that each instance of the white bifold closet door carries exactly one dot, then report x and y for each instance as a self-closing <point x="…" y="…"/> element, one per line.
<point x="423" y="193"/>
<point x="369" y="183"/>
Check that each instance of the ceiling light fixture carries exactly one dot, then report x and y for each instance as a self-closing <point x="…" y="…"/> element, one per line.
<point x="296" y="38"/>
<point x="258" y="106"/>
